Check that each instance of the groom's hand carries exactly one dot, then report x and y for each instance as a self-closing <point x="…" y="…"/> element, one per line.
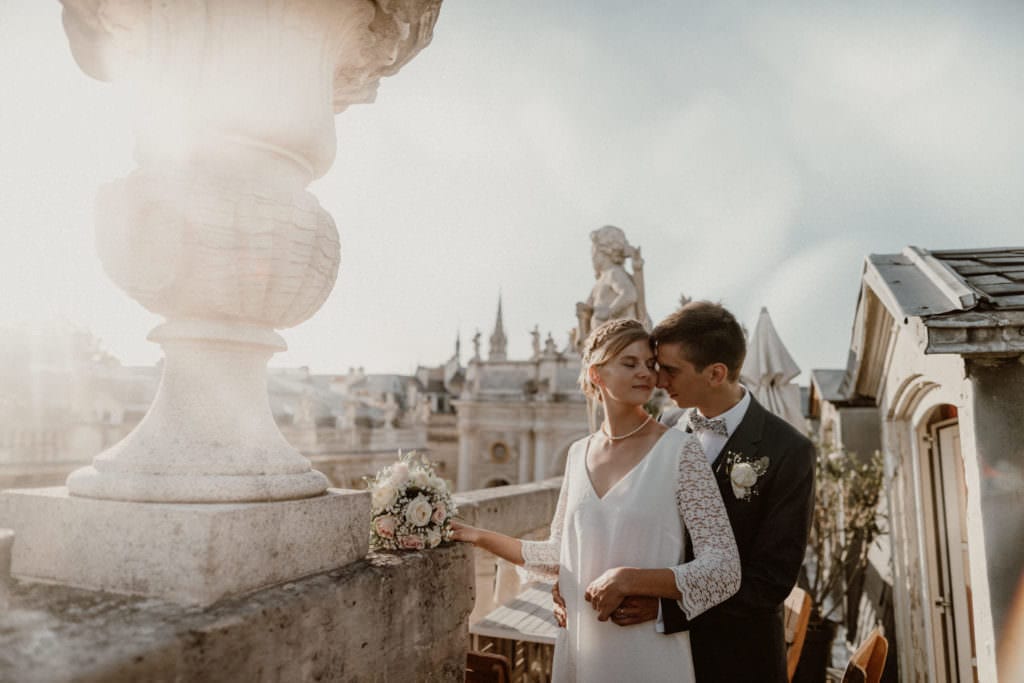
<point x="635" y="610"/>
<point x="559" y="608"/>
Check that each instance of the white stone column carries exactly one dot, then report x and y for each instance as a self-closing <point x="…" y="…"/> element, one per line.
<point x="524" y="458"/>
<point x="467" y="458"/>
<point x="541" y="446"/>
<point x="216" y="232"/>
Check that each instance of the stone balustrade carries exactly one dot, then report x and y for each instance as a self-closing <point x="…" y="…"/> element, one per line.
<point x="387" y="617"/>
<point x="514" y="510"/>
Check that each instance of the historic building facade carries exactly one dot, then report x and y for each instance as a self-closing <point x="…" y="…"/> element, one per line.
<point x="938" y="348"/>
<point x="517" y="418"/>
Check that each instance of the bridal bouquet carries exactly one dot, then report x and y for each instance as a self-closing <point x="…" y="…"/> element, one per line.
<point x="411" y="506"/>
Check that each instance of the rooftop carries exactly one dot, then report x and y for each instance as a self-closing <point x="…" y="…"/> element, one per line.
<point x="970" y="301"/>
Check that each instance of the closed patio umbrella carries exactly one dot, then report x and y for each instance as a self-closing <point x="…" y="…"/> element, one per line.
<point x="769" y="370"/>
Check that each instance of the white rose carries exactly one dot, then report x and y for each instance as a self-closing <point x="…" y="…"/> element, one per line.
<point x="437" y="483"/>
<point x="384" y="496"/>
<point x="399" y="474"/>
<point x="743" y="475"/>
<point x="433" y="538"/>
<point x="420" y="479"/>
<point x="419" y="511"/>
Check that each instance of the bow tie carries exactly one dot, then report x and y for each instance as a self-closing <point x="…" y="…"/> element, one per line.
<point x="700" y="424"/>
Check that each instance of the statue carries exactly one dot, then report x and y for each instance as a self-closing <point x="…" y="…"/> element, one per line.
<point x="616" y="293"/>
<point x="390" y="408"/>
<point x="535" y="337"/>
<point x="422" y="414"/>
<point x="550" y="348"/>
<point x="476" y="346"/>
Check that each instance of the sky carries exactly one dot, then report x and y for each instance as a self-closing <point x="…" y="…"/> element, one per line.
<point x="757" y="152"/>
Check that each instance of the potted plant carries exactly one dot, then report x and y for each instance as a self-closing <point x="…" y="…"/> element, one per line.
<point x="845" y="523"/>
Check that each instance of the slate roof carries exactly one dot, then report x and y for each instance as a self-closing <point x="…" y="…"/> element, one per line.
<point x="996" y="274"/>
<point x="969" y="300"/>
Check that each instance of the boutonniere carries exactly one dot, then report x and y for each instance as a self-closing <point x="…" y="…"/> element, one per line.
<point x="744" y="473"/>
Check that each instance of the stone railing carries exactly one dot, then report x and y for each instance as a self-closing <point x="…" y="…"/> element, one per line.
<point x="523" y="511"/>
<point x="388" y="617"/>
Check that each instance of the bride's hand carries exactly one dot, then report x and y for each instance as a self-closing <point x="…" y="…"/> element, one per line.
<point x="464" y="532"/>
<point x="606" y="592"/>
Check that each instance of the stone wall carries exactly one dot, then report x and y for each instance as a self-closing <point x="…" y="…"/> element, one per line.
<point x="998" y="407"/>
<point x="390" y="617"/>
<point x="513" y="510"/>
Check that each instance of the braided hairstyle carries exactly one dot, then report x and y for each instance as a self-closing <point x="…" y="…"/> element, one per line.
<point x="603" y="344"/>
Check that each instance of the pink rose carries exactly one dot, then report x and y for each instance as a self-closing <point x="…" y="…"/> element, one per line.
<point x="411" y="542"/>
<point x="439" y="513"/>
<point x="385" y="526"/>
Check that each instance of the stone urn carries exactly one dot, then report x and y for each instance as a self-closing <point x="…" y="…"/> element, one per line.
<point x="215" y="230"/>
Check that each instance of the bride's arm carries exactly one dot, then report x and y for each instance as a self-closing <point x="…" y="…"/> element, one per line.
<point x="540" y="557"/>
<point x="505" y="547"/>
<point x="714" y="574"/>
<point x="606" y="592"/>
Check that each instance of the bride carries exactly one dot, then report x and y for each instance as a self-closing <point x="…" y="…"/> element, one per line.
<point x="631" y="494"/>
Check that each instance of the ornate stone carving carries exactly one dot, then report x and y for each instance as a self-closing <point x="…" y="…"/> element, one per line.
<point x="235" y="104"/>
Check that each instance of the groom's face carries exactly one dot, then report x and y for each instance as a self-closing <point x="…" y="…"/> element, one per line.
<point x="679" y="377"/>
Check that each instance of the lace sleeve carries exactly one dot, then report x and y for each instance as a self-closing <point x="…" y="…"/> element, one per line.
<point x="541" y="558"/>
<point x="714" y="573"/>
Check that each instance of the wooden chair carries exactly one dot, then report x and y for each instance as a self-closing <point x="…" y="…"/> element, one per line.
<point x="868" y="662"/>
<point x="797" y="613"/>
<point x="485" y="667"/>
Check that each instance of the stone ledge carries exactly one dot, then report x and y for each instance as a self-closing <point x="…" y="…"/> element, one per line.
<point x="187" y="553"/>
<point x="388" y="617"/>
<point x="514" y="510"/>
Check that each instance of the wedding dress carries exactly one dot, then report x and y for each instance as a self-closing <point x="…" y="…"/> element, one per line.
<point x="639" y="522"/>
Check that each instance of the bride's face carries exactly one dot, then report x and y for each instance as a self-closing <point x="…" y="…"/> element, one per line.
<point x="630" y="376"/>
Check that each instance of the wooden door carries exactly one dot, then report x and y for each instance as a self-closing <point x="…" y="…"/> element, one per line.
<point x="949" y="565"/>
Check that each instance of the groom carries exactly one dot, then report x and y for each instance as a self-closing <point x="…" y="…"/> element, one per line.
<point x="765" y="470"/>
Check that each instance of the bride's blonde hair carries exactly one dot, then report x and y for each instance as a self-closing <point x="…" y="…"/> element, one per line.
<point x="605" y="343"/>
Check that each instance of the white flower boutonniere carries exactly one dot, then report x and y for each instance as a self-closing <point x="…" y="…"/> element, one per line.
<point x="744" y="473"/>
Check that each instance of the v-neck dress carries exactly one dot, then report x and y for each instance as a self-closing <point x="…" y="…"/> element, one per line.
<point x="639" y="522"/>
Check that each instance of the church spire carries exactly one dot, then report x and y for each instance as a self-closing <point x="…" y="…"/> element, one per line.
<point x="498" y="339"/>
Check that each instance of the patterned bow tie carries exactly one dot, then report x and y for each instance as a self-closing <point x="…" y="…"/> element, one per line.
<point x="700" y="424"/>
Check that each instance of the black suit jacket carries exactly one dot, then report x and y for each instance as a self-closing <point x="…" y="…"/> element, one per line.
<point x="742" y="639"/>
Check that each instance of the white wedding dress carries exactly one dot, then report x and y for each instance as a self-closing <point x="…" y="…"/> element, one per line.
<point x="638" y="523"/>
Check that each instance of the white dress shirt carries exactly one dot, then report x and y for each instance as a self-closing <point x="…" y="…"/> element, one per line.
<point x="714" y="443"/>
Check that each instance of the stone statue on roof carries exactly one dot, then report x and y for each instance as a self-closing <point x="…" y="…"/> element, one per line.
<point x="617" y="293"/>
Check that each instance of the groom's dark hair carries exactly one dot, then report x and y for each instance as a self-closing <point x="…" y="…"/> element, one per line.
<point x="708" y="334"/>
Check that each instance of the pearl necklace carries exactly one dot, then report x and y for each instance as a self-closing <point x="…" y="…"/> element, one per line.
<point x="625" y="436"/>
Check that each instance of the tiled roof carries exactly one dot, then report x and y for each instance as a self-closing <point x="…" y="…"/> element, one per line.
<point x="996" y="274"/>
<point x="969" y="301"/>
